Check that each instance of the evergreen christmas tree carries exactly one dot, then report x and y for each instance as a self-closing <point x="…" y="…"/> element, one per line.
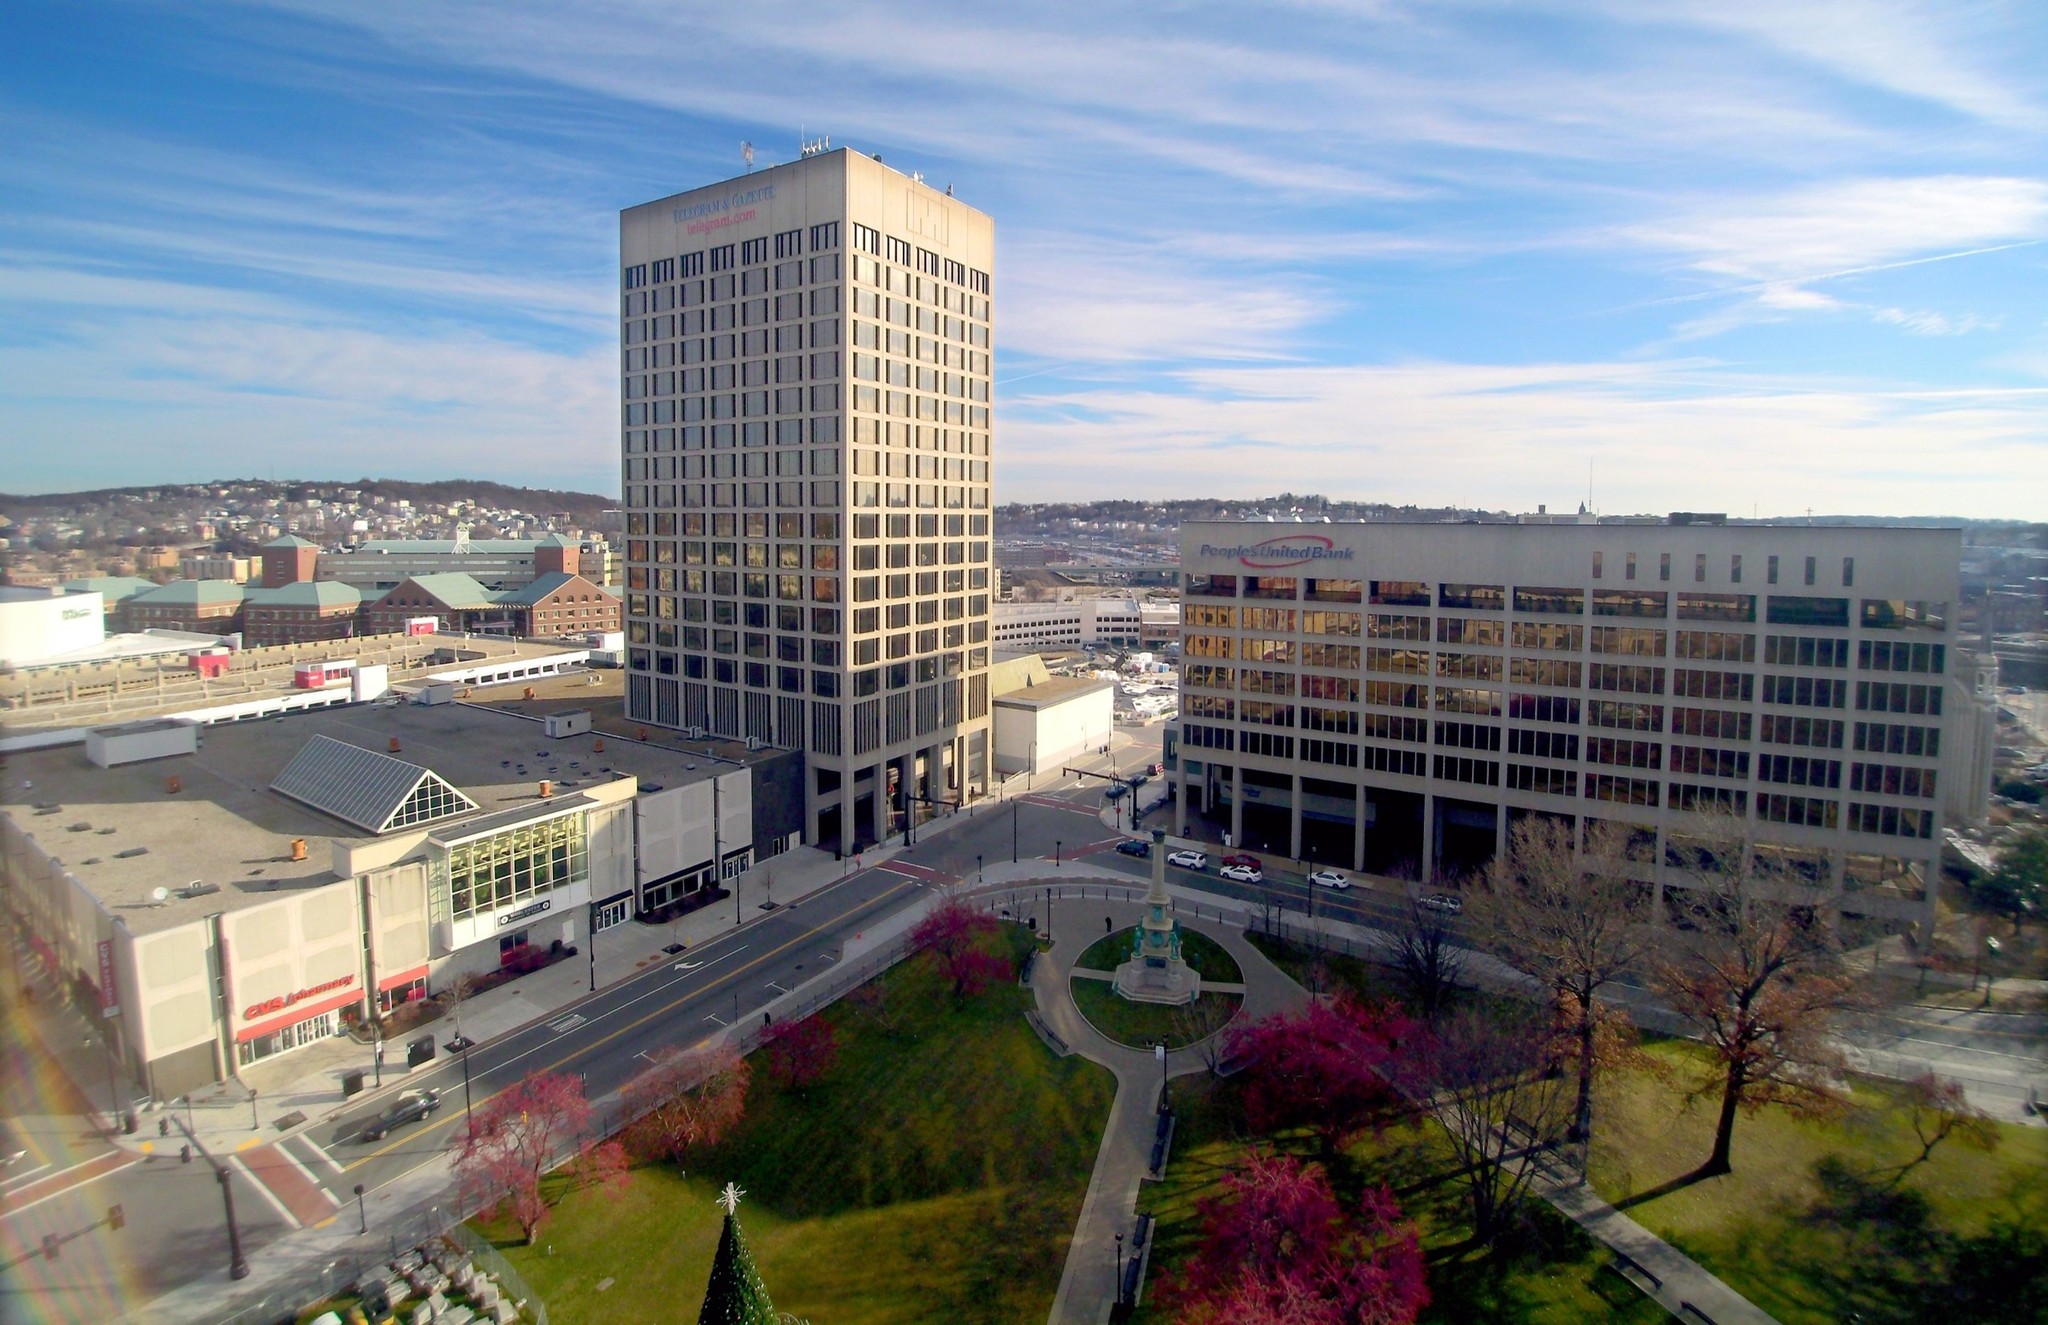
<point x="735" y="1295"/>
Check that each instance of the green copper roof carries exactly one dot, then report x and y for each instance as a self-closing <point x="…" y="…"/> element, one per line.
<point x="193" y="593"/>
<point x="290" y="540"/>
<point x="113" y="588"/>
<point x="449" y="590"/>
<point x="322" y="593"/>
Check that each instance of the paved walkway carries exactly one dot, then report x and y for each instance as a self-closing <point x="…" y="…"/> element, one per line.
<point x="1087" y="1286"/>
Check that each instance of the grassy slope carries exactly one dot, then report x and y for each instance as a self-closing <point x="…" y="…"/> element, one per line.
<point x="1553" y="1279"/>
<point x="1776" y="1229"/>
<point x="935" y="1175"/>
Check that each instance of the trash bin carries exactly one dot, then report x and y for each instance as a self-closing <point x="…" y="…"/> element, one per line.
<point x="351" y="1083"/>
<point x="419" y="1051"/>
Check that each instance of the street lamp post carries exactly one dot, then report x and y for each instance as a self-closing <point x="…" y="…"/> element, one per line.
<point x="362" y="1214"/>
<point x="468" y="1118"/>
<point x="591" y="939"/>
<point x="1013" y="832"/>
<point x="977" y="869"/>
<point x="1056" y="844"/>
<point x="238" y="1265"/>
<point x="1119" y="1269"/>
<point x="1159" y="1052"/>
<point x="253" y="1124"/>
<point x="378" y="1058"/>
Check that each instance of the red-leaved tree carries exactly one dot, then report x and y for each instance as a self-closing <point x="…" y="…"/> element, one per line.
<point x="1277" y="1249"/>
<point x="521" y="1134"/>
<point x="958" y="937"/>
<point x="688" y="1098"/>
<point x="1321" y="1067"/>
<point x="800" y="1053"/>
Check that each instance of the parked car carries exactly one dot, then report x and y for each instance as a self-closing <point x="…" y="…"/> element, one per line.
<point x="1444" y="902"/>
<point x="411" y="1107"/>
<point x="1131" y="846"/>
<point x="1188" y="860"/>
<point x="1329" y="879"/>
<point x="1248" y="861"/>
<point x="1243" y="874"/>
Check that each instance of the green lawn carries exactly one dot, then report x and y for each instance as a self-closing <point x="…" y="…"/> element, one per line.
<point x="934" y="1175"/>
<point x="1142" y="1024"/>
<point x="1553" y="1275"/>
<point x="1208" y="958"/>
<point x="1817" y="1221"/>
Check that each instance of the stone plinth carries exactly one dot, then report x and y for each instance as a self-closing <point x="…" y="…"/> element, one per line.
<point x="1156" y="972"/>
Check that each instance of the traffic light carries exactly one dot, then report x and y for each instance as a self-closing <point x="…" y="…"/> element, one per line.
<point x="50" y="1246"/>
<point x="117" y="1218"/>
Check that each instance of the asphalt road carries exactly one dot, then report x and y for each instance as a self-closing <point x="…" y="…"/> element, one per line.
<point x="609" y="1037"/>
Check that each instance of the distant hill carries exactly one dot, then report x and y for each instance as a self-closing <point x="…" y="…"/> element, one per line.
<point x="482" y="491"/>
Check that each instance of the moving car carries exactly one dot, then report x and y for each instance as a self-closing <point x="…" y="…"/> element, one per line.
<point x="1114" y="791"/>
<point x="1248" y="861"/>
<point x="1329" y="879"/>
<point x="1242" y="874"/>
<point x="1131" y="846"/>
<point x="411" y="1107"/>
<point x="1444" y="902"/>
<point x="1188" y="860"/>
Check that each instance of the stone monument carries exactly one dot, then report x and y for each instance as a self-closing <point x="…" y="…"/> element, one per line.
<point x="1156" y="972"/>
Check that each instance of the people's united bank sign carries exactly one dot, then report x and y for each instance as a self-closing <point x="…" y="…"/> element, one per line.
<point x="1282" y="552"/>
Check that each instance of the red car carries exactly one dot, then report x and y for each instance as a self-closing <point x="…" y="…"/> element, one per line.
<point x="1249" y="862"/>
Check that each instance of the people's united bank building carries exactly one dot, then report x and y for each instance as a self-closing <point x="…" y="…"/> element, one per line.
<point x="1395" y="697"/>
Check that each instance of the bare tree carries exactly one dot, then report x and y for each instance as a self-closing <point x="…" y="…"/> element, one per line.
<point x="1426" y="956"/>
<point x="1572" y="919"/>
<point x="1487" y="1074"/>
<point x="1754" y="966"/>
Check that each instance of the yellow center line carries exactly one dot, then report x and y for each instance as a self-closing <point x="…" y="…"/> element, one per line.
<point x="574" y="1054"/>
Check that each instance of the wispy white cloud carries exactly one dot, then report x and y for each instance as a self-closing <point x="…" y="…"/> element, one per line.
<point x="1671" y="435"/>
<point x="1845" y="225"/>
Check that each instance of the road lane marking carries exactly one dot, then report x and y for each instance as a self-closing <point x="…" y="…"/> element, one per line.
<point x="319" y="1153"/>
<point x="776" y="987"/>
<point x="112" y="1161"/>
<point x="573" y="1054"/>
<point x="567" y="1024"/>
<point x="687" y="967"/>
<point x="235" y="1162"/>
<point x="294" y="1161"/>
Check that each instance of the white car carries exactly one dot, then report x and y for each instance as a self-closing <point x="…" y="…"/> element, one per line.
<point x="1444" y="902"/>
<point x="1329" y="879"/>
<point x="1242" y="874"/>
<point x="1188" y="860"/>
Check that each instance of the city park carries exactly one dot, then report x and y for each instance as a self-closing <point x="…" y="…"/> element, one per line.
<point x="1339" y="1137"/>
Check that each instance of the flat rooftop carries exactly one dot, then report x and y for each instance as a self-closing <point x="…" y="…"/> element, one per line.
<point x="1056" y="690"/>
<point x="227" y="828"/>
<point x="603" y="692"/>
<point x="94" y="694"/>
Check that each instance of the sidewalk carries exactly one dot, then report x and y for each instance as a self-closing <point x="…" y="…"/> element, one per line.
<point x="307" y="1081"/>
<point x="1086" y="1290"/>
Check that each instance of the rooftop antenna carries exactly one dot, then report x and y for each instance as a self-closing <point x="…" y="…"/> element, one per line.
<point x="747" y="154"/>
<point x="814" y="146"/>
<point x="1589" y="483"/>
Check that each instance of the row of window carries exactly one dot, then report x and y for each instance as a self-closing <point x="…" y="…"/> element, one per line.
<point x="1780" y="609"/>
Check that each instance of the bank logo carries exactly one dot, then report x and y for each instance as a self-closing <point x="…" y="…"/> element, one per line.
<point x="1281" y="552"/>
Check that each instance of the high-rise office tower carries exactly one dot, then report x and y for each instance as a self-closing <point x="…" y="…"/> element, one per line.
<point x="805" y="444"/>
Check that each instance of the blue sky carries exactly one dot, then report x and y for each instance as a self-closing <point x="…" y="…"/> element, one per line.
<point x="1698" y="255"/>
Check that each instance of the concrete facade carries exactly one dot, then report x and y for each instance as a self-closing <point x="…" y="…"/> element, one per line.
<point x="224" y="922"/>
<point x="1392" y="697"/>
<point x="806" y="467"/>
